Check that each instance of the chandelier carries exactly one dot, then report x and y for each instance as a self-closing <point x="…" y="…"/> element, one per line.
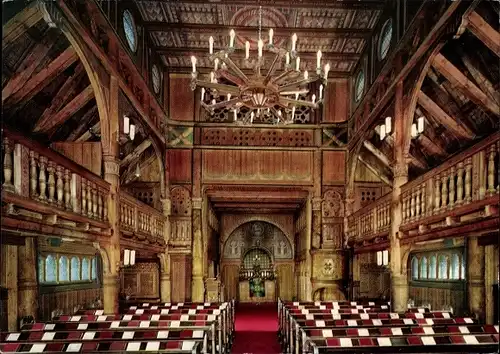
<point x="265" y="95"/>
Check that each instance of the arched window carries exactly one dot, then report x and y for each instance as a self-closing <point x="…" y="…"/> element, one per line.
<point x="63" y="269"/>
<point x="85" y="269"/>
<point x="75" y="268"/>
<point x="94" y="268"/>
<point x="359" y="85"/>
<point x="130" y="30"/>
<point x="462" y="269"/>
<point x="414" y="268"/>
<point x="423" y="268"/>
<point x="257" y="257"/>
<point x="156" y="78"/>
<point x="50" y="269"/>
<point x="455" y="267"/>
<point x="384" y="41"/>
<point x="443" y="267"/>
<point x="41" y="269"/>
<point x="432" y="268"/>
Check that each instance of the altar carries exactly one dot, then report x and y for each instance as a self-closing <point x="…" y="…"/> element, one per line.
<point x="257" y="285"/>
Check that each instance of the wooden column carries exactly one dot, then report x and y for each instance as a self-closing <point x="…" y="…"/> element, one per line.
<point x="197" y="283"/>
<point x="165" y="293"/>
<point x="110" y="133"/>
<point x="490" y="276"/>
<point x="307" y="292"/>
<point x="27" y="283"/>
<point x="8" y="280"/>
<point x="475" y="277"/>
<point x="399" y="283"/>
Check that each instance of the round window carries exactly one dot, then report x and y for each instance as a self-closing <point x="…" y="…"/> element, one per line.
<point x="384" y="41"/>
<point x="360" y="85"/>
<point x="155" y="76"/>
<point x="130" y="30"/>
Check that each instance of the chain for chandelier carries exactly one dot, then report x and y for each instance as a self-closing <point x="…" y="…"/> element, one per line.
<point x="260" y="22"/>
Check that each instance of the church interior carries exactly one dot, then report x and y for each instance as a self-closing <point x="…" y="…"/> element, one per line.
<point x="259" y="177"/>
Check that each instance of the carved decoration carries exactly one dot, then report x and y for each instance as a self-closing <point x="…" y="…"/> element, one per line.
<point x="332" y="205"/>
<point x="181" y="201"/>
<point x="180" y="136"/>
<point x="257" y="137"/>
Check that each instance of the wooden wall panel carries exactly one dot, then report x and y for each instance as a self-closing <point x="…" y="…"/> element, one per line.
<point x="363" y="174"/>
<point x="180" y="277"/>
<point x="66" y="301"/>
<point x="336" y="101"/>
<point x="179" y="165"/>
<point x="333" y="167"/>
<point x="142" y="280"/>
<point x="181" y="99"/>
<point x="88" y="155"/>
<point x="230" y="279"/>
<point x="439" y="298"/>
<point x="257" y="166"/>
<point x="286" y="281"/>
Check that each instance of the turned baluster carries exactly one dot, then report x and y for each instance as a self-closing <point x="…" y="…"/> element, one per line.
<point x="67" y="190"/>
<point x="8" y="165"/>
<point x="94" y="201"/>
<point x="89" y="200"/>
<point x="422" y="199"/>
<point x="412" y="204"/>
<point x="99" y="203"/>
<point x="42" y="178"/>
<point x="444" y="190"/>
<point x="403" y="206"/>
<point x="491" y="169"/>
<point x="59" y="186"/>
<point x="33" y="175"/>
<point x="467" y="182"/>
<point x="451" y="192"/>
<point x="387" y="214"/>
<point x="124" y="216"/>
<point x="51" y="183"/>
<point x="105" y="207"/>
<point x="437" y="194"/>
<point x="460" y="183"/>
<point x="417" y="202"/>
<point x="84" y="196"/>
<point x="408" y="205"/>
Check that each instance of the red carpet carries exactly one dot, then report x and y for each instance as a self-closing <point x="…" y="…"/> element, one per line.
<point x="256" y="329"/>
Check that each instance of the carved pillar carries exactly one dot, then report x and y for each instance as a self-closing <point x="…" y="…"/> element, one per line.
<point x="307" y="295"/>
<point x="165" y="293"/>
<point x="9" y="280"/>
<point x="197" y="285"/>
<point x="490" y="276"/>
<point x="475" y="277"/>
<point x="27" y="283"/>
<point x="316" y="223"/>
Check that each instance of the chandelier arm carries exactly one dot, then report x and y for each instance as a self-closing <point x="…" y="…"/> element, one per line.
<point x="297" y="103"/>
<point x="273" y="66"/>
<point x="231" y="65"/>
<point x="222" y="104"/>
<point x="283" y="75"/>
<point x="294" y="85"/>
<point x="219" y="87"/>
<point x="294" y="92"/>
<point x="233" y="78"/>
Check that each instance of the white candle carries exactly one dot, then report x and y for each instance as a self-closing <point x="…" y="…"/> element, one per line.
<point x="420" y="124"/>
<point x="306" y="75"/>
<point x="271" y="34"/>
<point x="232" y="34"/>
<point x="294" y="41"/>
<point x="260" y="46"/>
<point x="296" y="96"/>
<point x="287" y="58"/>
<point x="251" y="117"/>
<point x="313" y="98"/>
<point x="318" y="59"/>
<point x="216" y="64"/>
<point x="228" y="96"/>
<point x="132" y="131"/>
<point x="321" y="91"/>
<point x="247" y="49"/>
<point x="214" y="101"/>
<point x="293" y="113"/>
<point x="211" y="45"/>
<point x="193" y="61"/>
<point x="235" y="115"/>
<point x="126" y="124"/>
<point x="202" y="93"/>
<point x="327" y="69"/>
<point x="297" y="64"/>
<point x="212" y="77"/>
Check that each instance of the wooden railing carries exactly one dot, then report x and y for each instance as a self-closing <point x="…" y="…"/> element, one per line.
<point x="467" y="178"/>
<point x="370" y="220"/>
<point x="140" y="219"/>
<point x="32" y="172"/>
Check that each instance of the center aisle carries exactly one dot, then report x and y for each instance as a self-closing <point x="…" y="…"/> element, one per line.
<point x="256" y="329"/>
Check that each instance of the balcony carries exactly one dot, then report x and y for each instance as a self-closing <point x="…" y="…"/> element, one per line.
<point x="47" y="193"/>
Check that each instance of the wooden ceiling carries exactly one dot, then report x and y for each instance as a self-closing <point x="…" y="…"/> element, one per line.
<point x="459" y="99"/>
<point x="340" y="29"/>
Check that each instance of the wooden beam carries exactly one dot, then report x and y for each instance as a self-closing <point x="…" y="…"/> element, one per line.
<point x="484" y="32"/>
<point x="82" y="127"/>
<point x="416" y="161"/>
<point x="457" y="78"/>
<point x="431" y="146"/>
<point x="64" y="114"/>
<point x="129" y="175"/>
<point x="438" y="113"/>
<point x="375" y="171"/>
<point x="61" y="97"/>
<point x="136" y="153"/>
<point x="20" y="23"/>
<point x="378" y="154"/>
<point x="302" y="4"/>
<point x="44" y="77"/>
<point x="96" y="128"/>
<point x="484" y="84"/>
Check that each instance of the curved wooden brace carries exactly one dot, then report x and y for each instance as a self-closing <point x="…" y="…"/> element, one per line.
<point x="106" y="266"/>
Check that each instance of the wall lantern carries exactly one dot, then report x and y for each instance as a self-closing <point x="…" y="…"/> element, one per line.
<point x="383" y="258"/>
<point x="128" y="257"/>
<point x="128" y="129"/>
<point x="385" y="129"/>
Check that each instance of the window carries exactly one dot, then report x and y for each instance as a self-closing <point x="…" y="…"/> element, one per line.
<point x="414" y="268"/>
<point x="130" y="30"/>
<point x="443" y="267"/>
<point x="156" y="78"/>
<point x="384" y="41"/>
<point x="455" y="267"/>
<point x="63" y="269"/>
<point x="85" y="269"/>
<point x="423" y="268"/>
<point x="359" y="85"/>
<point x="94" y="268"/>
<point x="50" y="269"/>
<point x="41" y="269"/>
<point x="432" y="268"/>
<point x="75" y="268"/>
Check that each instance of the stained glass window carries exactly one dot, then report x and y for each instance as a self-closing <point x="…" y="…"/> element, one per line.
<point x="432" y="268"/>
<point x="384" y="41"/>
<point x="443" y="267"/>
<point x="414" y="268"/>
<point x="85" y="269"/>
<point x="156" y="77"/>
<point x="50" y="269"/>
<point x="63" y="268"/>
<point x="423" y="268"/>
<point x="130" y="30"/>
<point x="41" y="269"/>
<point x="94" y="268"/>
<point x="360" y="85"/>
<point x="75" y="268"/>
<point x="455" y="267"/>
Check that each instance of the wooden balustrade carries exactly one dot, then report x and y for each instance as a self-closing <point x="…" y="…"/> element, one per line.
<point x="467" y="178"/>
<point x="140" y="219"/>
<point x="32" y="172"/>
<point x="371" y="220"/>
